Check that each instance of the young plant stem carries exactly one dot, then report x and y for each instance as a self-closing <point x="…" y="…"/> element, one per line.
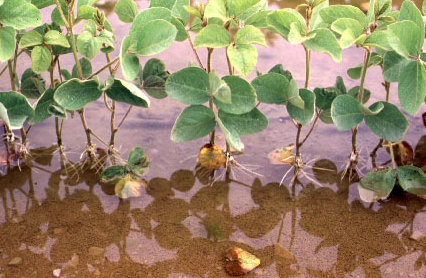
<point x="392" y="156"/>
<point x="195" y="51"/>
<point x="70" y="27"/>
<point x="113" y="110"/>
<point x="354" y="155"/>
<point x="208" y="70"/>
<point x="298" y="159"/>
<point x="107" y="66"/>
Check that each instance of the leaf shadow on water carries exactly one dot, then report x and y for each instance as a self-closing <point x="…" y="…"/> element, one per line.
<point x="193" y="225"/>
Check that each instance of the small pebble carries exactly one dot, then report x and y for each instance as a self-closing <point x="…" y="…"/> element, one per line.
<point x="96" y="251"/>
<point x="97" y="272"/>
<point x="57" y="272"/>
<point x="17" y="261"/>
<point x="417" y="235"/>
<point x="18" y="219"/>
<point x="75" y="260"/>
<point x="2" y="275"/>
<point x="58" y="231"/>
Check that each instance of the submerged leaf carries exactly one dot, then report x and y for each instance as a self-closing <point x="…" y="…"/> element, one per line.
<point x="412" y="180"/>
<point x="129" y="187"/>
<point x="282" y="155"/>
<point x="379" y="181"/>
<point x="112" y="173"/>
<point x="240" y="262"/>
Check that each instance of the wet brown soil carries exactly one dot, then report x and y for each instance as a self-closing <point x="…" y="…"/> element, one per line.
<point x="181" y="226"/>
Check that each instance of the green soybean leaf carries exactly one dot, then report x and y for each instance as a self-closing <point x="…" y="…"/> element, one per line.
<point x="293" y="95"/>
<point x="393" y="66"/>
<point x="88" y="45"/>
<point x="281" y="21"/>
<point x="378" y="39"/>
<point x="137" y="159"/>
<point x="85" y="12"/>
<point x="189" y="85"/>
<point x="17" y="109"/>
<point x="231" y="135"/>
<point x="305" y="115"/>
<point x="123" y="91"/>
<point x="247" y="123"/>
<point x="39" y="3"/>
<point x="324" y="97"/>
<point x="181" y="35"/>
<point x="259" y="19"/>
<point x="243" y="57"/>
<point x="355" y="72"/>
<point x="53" y="37"/>
<point x="390" y="124"/>
<point x="154" y="37"/>
<point x="129" y="63"/>
<point x="7" y="43"/>
<point x="57" y="111"/>
<point x="243" y="96"/>
<point x="112" y="173"/>
<point x="409" y="11"/>
<point x="412" y="87"/>
<point x="216" y="8"/>
<point x="325" y="41"/>
<point x="41" y="59"/>
<point x="332" y="13"/>
<point x="213" y="36"/>
<point x="373" y="110"/>
<point x="86" y="68"/>
<point x="412" y="180"/>
<point x="404" y="37"/>
<point x="340" y="85"/>
<point x="354" y="92"/>
<point x="41" y="107"/>
<point x="155" y="86"/>
<point x="19" y="14"/>
<point x="145" y="17"/>
<point x="162" y="3"/>
<point x="325" y="116"/>
<point x="75" y="94"/>
<point x="271" y="88"/>
<point x="32" y="84"/>
<point x="194" y="122"/>
<point x="155" y="67"/>
<point x="3" y="115"/>
<point x="345" y="112"/>
<point x="219" y="89"/>
<point x="242" y="6"/>
<point x="180" y="12"/>
<point x="126" y="10"/>
<point x="380" y="182"/>
<point x="250" y="35"/>
<point x="31" y="38"/>
<point x="316" y="20"/>
<point x="66" y="74"/>
<point x="295" y="36"/>
<point x="342" y="24"/>
<point x="278" y="68"/>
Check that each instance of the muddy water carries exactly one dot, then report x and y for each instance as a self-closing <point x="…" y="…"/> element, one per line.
<point x="181" y="226"/>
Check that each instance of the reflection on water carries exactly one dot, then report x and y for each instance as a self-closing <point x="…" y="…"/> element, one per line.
<point x="64" y="223"/>
<point x="181" y="227"/>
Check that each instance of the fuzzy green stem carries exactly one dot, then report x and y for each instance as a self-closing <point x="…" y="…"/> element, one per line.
<point x="11" y="75"/>
<point x="73" y="42"/>
<point x="392" y="156"/>
<point x="308" y="67"/>
<point x="360" y="97"/>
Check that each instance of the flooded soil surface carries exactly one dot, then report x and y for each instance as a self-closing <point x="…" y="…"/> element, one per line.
<point x="58" y="222"/>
